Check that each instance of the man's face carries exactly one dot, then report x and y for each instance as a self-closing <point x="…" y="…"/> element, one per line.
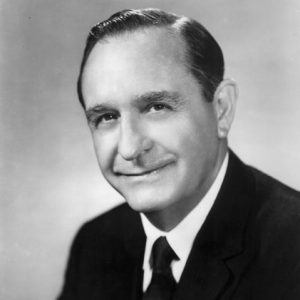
<point x="155" y="135"/>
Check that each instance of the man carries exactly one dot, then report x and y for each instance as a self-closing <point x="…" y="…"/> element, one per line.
<point x="198" y="223"/>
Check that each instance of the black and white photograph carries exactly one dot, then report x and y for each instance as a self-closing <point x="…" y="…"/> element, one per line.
<point x="150" y="150"/>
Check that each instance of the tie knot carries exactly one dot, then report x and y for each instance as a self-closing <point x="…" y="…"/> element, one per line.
<point x="162" y="255"/>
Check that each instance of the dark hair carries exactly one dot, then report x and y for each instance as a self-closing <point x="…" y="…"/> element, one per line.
<point x="203" y="54"/>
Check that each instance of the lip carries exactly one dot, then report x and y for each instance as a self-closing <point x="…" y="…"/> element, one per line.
<point x="155" y="169"/>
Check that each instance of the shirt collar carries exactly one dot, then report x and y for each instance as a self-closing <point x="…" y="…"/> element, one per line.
<point x="182" y="236"/>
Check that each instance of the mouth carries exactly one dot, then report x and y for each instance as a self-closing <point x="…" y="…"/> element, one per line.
<point x="144" y="173"/>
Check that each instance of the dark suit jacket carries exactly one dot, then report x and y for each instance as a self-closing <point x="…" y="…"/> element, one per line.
<point x="248" y="247"/>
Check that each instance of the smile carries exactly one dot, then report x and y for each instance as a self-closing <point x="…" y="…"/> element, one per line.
<point x="146" y="173"/>
<point x="143" y="173"/>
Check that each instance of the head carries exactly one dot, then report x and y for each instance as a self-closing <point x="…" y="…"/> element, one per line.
<point x="152" y="86"/>
<point x="203" y="55"/>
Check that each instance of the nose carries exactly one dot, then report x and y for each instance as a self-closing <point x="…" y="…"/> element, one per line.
<point x="133" y="139"/>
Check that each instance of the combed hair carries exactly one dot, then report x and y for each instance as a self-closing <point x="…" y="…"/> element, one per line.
<point x="204" y="56"/>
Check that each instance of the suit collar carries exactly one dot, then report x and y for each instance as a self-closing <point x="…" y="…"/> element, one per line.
<point x="224" y="227"/>
<point x="218" y="256"/>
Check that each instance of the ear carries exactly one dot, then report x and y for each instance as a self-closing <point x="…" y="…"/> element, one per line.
<point x="225" y="99"/>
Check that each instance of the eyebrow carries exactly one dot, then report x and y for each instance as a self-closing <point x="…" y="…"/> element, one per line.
<point x="171" y="98"/>
<point x="98" y="109"/>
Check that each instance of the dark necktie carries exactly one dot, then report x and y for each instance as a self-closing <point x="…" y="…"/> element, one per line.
<point x="162" y="284"/>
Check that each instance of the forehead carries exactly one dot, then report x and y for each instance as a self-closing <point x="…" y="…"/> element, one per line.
<point x="135" y="62"/>
<point x="156" y="44"/>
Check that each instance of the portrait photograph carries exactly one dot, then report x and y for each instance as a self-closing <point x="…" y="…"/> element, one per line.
<point x="150" y="150"/>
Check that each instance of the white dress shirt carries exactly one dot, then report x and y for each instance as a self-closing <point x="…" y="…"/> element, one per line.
<point x="181" y="237"/>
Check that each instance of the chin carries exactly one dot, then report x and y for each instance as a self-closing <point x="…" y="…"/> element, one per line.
<point x="147" y="203"/>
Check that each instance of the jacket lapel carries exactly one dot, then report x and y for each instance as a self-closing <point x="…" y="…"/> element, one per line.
<point x="220" y="253"/>
<point x="123" y="277"/>
<point x="135" y="245"/>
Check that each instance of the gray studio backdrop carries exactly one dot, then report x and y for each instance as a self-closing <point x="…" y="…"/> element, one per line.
<point x="49" y="178"/>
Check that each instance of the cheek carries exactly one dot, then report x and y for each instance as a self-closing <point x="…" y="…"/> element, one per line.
<point x="170" y="133"/>
<point x="105" y="147"/>
<point x="194" y="139"/>
<point x="181" y="135"/>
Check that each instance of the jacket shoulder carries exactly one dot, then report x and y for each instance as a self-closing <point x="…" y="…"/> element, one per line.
<point x="276" y="219"/>
<point x="99" y="256"/>
<point x="111" y="224"/>
<point x="275" y="198"/>
<point x="271" y="186"/>
<point x="272" y="233"/>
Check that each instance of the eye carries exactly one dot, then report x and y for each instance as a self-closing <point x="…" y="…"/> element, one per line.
<point x="106" y="118"/>
<point x="158" y="107"/>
